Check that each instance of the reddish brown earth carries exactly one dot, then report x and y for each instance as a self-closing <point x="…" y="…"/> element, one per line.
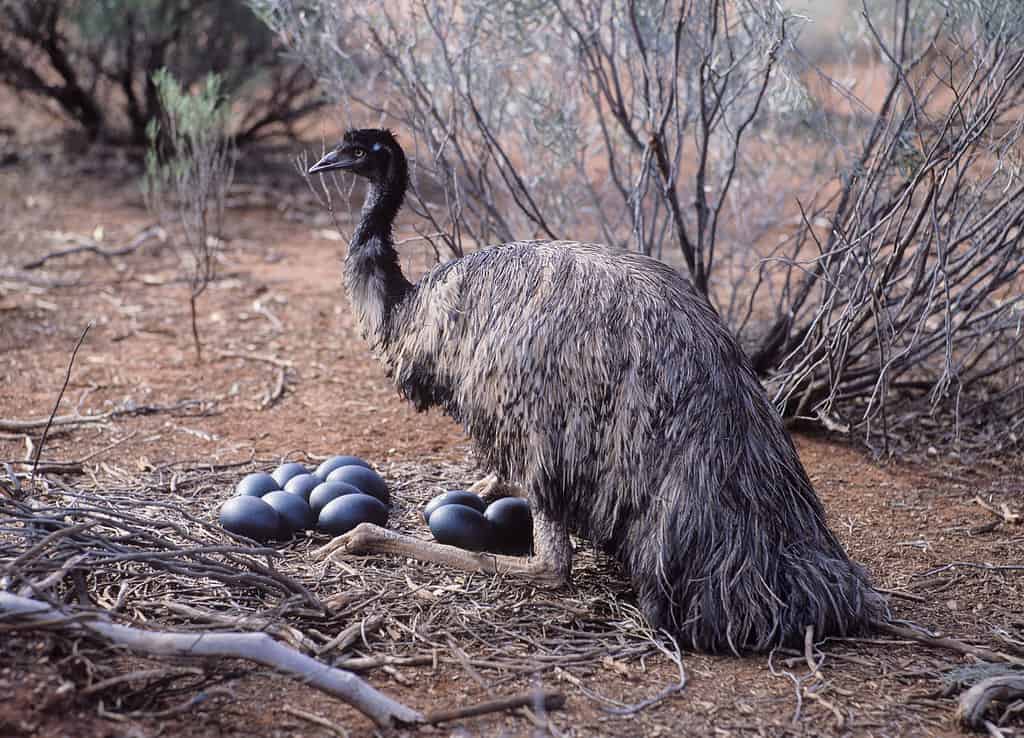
<point x="279" y="295"/>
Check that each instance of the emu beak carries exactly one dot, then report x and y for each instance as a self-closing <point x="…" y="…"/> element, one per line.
<point x="331" y="160"/>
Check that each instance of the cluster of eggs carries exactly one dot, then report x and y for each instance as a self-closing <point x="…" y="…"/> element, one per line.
<point x="341" y="493"/>
<point x="461" y="518"/>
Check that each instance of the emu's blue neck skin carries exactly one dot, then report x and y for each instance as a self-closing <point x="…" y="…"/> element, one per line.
<point x="373" y="274"/>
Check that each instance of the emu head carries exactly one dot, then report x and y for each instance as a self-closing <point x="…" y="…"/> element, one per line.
<point x="372" y="153"/>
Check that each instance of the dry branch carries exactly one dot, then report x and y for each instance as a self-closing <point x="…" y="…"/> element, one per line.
<point x="25" y="426"/>
<point x="256" y="647"/>
<point x="950" y="644"/>
<point x="974" y="703"/>
<point x="56" y="405"/>
<point x="91" y="246"/>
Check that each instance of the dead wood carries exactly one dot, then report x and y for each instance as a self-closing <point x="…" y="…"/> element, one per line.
<point x="88" y="245"/>
<point x="256" y="647"/>
<point x="975" y="702"/>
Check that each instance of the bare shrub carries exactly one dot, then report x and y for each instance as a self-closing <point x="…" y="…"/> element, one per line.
<point x="189" y="168"/>
<point x="94" y="62"/>
<point x="871" y="279"/>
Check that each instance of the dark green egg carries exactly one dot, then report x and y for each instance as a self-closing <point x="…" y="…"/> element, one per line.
<point x="285" y="472"/>
<point x="462" y="526"/>
<point x="344" y="513"/>
<point x="329" y="465"/>
<point x="327" y="491"/>
<point x="293" y="510"/>
<point x="251" y="517"/>
<point x="453" y="497"/>
<point x="303" y="485"/>
<point x="511" y="526"/>
<point x="365" y="479"/>
<point x="256" y="484"/>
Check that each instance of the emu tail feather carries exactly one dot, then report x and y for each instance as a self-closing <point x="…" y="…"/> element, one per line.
<point x="751" y="582"/>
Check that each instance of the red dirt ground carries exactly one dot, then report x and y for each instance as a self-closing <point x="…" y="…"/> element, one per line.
<point x="279" y="295"/>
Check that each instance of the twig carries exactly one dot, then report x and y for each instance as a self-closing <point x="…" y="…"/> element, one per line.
<point x="133" y="676"/>
<point x="280" y="363"/>
<point x="22" y="426"/>
<point x="316" y="719"/>
<point x="53" y="413"/>
<point x="88" y="244"/>
<point x="256" y="647"/>
<point x="277" y="392"/>
<point x="950" y="644"/>
<point x="901" y="594"/>
<point x="549" y="701"/>
<point x="351" y="634"/>
<point x="1002" y="512"/>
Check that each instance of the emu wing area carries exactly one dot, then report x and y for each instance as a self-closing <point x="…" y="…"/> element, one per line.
<point x="571" y="366"/>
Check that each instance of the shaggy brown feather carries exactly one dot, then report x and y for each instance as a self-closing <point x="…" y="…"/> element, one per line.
<point x="605" y="385"/>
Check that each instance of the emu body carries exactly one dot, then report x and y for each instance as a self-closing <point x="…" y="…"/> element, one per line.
<point x="605" y="387"/>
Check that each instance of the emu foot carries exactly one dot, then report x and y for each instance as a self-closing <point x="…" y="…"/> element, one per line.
<point x="367" y="538"/>
<point x="492" y="488"/>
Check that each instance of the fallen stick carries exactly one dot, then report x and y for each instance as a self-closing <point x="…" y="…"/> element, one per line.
<point x="21" y="426"/>
<point x="256" y="647"/>
<point x="950" y="644"/>
<point x="90" y="245"/>
<point x="262" y="649"/>
<point x="976" y="700"/>
<point x="549" y="701"/>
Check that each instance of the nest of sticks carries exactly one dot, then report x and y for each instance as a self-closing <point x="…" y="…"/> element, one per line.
<point x="145" y="550"/>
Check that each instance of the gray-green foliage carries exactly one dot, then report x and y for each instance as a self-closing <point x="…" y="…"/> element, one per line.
<point x="189" y="168"/>
<point x="863" y="249"/>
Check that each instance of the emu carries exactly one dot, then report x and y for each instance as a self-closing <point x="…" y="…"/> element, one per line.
<point x="607" y="390"/>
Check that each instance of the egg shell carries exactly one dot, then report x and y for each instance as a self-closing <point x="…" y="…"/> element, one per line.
<point x="511" y="525"/>
<point x="367" y="480"/>
<point x="344" y="513"/>
<point x="329" y="465"/>
<point x="462" y="526"/>
<point x="285" y="472"/>
<point x="294" y="511"/>
<point x="256" y="484"/>
<point x="327" y="491"/>
<point x="453" y="497"/>
<point x="303" y="485"/>
<point x="250" y="516"/>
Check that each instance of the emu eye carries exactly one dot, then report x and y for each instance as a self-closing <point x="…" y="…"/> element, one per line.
<point x="359" y="153"/>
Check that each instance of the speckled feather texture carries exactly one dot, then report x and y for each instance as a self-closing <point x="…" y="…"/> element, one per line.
<point x="605" y="386"/>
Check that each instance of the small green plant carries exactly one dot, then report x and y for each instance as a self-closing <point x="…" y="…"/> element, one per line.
<point x="189" y="168"/>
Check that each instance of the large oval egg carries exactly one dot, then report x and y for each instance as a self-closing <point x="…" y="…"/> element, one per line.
<point x="256" y="484"/>
<point x="344" y="513"/>
<point x="458" y="525"/>
<point x="327" y="491"/>
<point x="329" y="465"/>
<point x="285" y="472"/>
<point x="293" y="510"/>
<point x="303" y="485"/>
<point x="250" y="517"/>
<point x="511" y="525"/>
<point x="365" y="479"/>
<point x="453" y="497"/>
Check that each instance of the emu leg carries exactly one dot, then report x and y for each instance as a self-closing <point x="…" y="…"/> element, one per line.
<point x="550" y="566"/>
<point x="492" y="488"/>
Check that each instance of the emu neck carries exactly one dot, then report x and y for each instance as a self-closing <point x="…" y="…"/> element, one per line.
<point x="373" y="274"/>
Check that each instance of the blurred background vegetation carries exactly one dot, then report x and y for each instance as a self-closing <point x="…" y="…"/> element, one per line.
<point x="94" y="61"/>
